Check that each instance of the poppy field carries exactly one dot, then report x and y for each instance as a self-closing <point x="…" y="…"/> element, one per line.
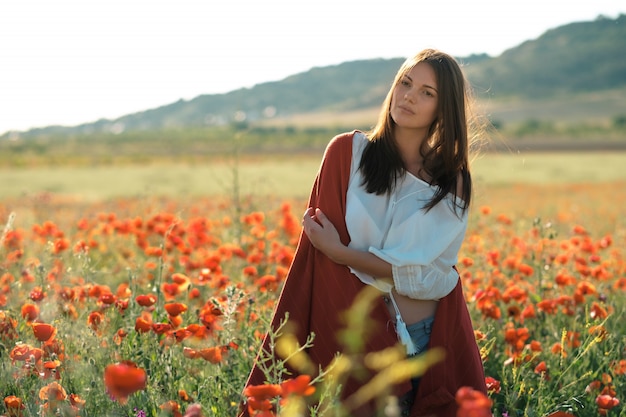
<point x="157" y="306"/>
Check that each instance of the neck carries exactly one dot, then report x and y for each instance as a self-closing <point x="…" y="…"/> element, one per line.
<point x="409" y="143"/>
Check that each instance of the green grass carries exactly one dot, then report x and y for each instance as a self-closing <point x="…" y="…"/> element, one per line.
<point x="284" y="177"/>
<point x="550" y="168"/>
<point x="274" y="177"/>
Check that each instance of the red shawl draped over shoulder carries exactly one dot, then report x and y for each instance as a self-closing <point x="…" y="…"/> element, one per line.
<point x="317" y="290"/>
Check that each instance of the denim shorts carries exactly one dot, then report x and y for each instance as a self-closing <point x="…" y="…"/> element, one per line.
<point x="420" y="333"/>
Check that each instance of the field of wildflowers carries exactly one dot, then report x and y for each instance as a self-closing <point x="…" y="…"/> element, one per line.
<point x="157" y="307"/>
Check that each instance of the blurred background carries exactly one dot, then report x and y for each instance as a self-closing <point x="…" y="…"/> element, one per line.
<point x="101" y="99"/>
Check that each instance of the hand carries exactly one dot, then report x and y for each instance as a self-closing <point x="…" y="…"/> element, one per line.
<point x="322" y="233"/>
<point x="324" y="237"/>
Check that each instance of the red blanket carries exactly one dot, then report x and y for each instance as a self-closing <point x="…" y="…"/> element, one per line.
<point x="317" y="290"/>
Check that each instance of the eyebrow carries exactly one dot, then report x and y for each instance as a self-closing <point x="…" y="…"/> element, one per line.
<point x="424" y="85"/>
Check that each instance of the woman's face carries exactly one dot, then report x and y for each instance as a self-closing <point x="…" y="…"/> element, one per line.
<point x="414" y="101"/>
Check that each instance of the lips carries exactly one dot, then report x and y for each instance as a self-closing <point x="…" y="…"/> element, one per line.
<point x="406" y="109"/>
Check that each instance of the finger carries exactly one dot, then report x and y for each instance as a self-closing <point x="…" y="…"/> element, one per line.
<point x="309" y="223"/>
<point x="321" y="217"/>
<point x="308" y="213"/>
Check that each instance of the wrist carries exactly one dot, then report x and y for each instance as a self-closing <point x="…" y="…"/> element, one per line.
<point x="339" y="254"/>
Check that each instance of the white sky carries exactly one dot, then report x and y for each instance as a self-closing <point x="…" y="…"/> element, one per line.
<point x="75" y="61"/>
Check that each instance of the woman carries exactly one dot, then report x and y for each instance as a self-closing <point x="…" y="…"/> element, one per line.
<point x="389" y="209"/>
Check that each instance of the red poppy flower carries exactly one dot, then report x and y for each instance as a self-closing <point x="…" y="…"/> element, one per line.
<point x="107" y="298"/>
<point x="60" y="245"/>
<point x="597" y="311"/>
<point x="123" y="379"/>
<point x="143" y="324"/>
<point x="181" y="280"/>
<point x="212" y="354"/>
<point x="516" y="337"/>
<point x="472" y="403"/>
<point x="153" y="251"/>
<point x="24" y="352"/>
<point x="182" y="394"/>
<point x="528" y="312"/>
<point x="547" y="306"/>
<point x="586" y="288"/>
<point x="298" y="386"/>
<point x="50" y="369"/>
<point x="122" y="305"/>
<point x="250" y="271"/>
<point x="267" y="283"/>
<point x="599" y="332"/>
<point x="56" y="347"/>
<point x="493" y="385"/>
<point x="179" y="334"/>
<point x="209" y="316"/>
<point x="175" y="309"/>
<point x="170" y="290"/>
<point x="161" y="328"/>
<point x="489" y="309"/>
<point x="526" y="269"/>
<point x="190" y="353"/>
<point x="263" y="392"/>
<point x="119" y="336"/>
<point x="260" y="408"/>
<point x="175" y="321"/>
<point x="558" y="349"/>
<point x="593" y="386"/>
<point x="76" y="401"/>
<point x="95" y="319"/>
<point x="14" y="406"/>
<point x="146" y="300"/>
<point x="43" y="332"/>
<point x="36" y="294"/>
<point x="96" y="291"/>
<point x="30" y="312"/>
<point x="606" y="402"/>
<point x="194" y="294"/>
<point x="52" y="392"/>
<point x="542" y="369"/>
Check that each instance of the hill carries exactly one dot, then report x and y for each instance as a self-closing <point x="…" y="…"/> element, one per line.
<point x="575" y="58"/>
<point x="563" y="66"/>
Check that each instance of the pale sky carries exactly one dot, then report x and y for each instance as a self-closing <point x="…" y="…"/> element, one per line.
<point x="69" y="62"/>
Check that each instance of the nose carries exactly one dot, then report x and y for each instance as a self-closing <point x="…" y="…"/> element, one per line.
<point x="409" y="97"/>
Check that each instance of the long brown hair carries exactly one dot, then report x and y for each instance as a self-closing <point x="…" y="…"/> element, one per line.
<point x="446" y="149"/>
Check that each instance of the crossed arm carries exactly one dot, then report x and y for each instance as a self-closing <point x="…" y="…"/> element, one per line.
<point x="324" y="237"/>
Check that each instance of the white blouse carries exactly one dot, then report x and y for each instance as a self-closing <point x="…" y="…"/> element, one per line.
<point x="422" y="247"/>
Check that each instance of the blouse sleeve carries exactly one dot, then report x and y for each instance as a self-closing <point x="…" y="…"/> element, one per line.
<point x="423" y="260"/>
